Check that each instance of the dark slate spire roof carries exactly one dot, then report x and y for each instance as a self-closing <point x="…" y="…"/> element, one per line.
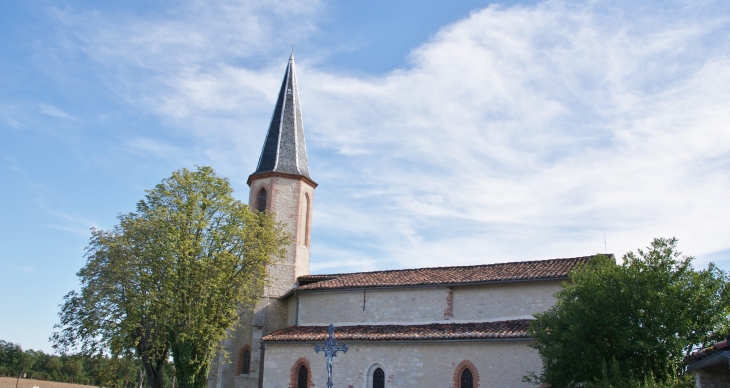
<point x="284" y="149"/>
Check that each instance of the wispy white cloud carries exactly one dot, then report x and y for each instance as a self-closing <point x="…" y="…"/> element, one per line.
<point x="517" y="133"/>
<point x="528" y="132"/>
<point x="50" y="110"/>
<point x="75" y="224"/>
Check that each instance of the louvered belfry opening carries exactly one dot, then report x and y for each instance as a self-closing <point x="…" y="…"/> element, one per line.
<point x="378" y="378"/>
<point x="467" y="380"/>
<point x="302" y="377"/>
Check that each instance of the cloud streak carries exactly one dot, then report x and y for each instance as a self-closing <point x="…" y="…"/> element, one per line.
<point x="517" y="133"/>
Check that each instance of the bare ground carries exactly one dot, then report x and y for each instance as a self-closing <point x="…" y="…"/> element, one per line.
<point x="9" y="382"/>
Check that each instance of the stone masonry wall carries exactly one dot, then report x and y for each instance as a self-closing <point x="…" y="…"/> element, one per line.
<point x="498" y="364"/>
<point x="287" y="200"/>
<point x="717" y="376"/>
<point x="222" y="371"/>
<point x="428" y="304"/>
<point x="508" y="300"/>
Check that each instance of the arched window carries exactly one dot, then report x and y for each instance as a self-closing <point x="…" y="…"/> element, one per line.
<point x="375" y="376"/>
<point x="378" y="378"/>
<point x="261" y="200"/>
<point x="245" y="362"/>
<point x="467" y="380"/>
<point x="306" y="220"/>
<point x="302" y="377"/>
<point x="466" y="375"/>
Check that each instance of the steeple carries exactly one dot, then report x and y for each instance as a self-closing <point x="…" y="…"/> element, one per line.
<point x="284" y="148"/>
<point x="281" y="184"/>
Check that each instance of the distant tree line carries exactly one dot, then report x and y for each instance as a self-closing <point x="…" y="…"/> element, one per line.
<point x="101" y="371"/>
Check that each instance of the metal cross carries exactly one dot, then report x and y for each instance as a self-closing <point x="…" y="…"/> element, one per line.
<point x="330" y="350"/>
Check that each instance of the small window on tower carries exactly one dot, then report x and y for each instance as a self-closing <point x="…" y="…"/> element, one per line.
<point x="261" y="201"/>
<point x="246" y="362"/>
<point x="306" y="220"/>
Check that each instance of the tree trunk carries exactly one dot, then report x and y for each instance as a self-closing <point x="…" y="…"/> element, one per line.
<point x="18" y="380"/>
<point x="153" y="370"/>
<point x="140" y="384"/>
<point x="152" y="367"/>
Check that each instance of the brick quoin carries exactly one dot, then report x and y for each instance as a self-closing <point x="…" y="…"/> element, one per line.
<point x="449" y="312"/>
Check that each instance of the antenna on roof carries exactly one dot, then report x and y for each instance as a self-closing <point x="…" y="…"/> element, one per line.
<point x="604" y="243"/>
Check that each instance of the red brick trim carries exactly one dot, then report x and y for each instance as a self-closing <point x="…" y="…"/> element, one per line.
<point x="254" y="177"/>
<point x="295" y="373"/>
<point x="466" y="364"/>
<point x="449" y="313"/>
<point x="239" y="359"/>
<point x="253" y="199"/>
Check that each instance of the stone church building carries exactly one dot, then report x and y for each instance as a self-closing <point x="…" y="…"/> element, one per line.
<point x="462" y="327"/>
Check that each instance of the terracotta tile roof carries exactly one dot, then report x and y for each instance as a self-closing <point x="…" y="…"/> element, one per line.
<point x="435" y="331"/>
<point x="699" y="355"/>
<point x="524" y="270"/>
<point x="707" y="352"/>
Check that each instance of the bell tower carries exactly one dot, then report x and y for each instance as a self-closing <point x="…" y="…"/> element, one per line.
<point x="281" y="184"/>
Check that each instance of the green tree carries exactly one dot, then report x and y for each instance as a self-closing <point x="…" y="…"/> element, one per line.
<point x="73" y="368"/>
<point x="171" y="277"/>
<point x="636" y="320"/>
<point x="53" y="367"/>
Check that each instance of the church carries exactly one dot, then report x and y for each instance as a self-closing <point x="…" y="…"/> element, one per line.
<point x="458" y="327"/>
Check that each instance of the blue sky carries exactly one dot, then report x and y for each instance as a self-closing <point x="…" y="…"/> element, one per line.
<point x="440" y="132"/>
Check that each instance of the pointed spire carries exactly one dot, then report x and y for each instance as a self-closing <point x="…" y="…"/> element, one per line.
<point x="284" y="148"/>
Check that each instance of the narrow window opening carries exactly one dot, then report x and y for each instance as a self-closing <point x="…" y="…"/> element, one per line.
<point x="467" y="380"/>
<point x="378" y="378"/>
<point x="261" y="201"/>
<point x="306" y="220"/>
<point x="302" y="377"/>
<point x="246" y="362"/>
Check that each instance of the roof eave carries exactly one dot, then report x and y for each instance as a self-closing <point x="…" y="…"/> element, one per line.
<point x="403" y="341"/>
<point x="717" y="358"/>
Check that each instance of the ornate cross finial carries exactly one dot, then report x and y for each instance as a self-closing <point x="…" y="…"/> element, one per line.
<point x="330" y="350"/>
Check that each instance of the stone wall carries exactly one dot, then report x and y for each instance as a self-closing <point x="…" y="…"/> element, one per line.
<point x="424" y="305"/>
<point x="716" y="376"/>
<point x="290" y="200"/>
<point x="497" y="301"/>
<point x="497" y="364"/>
<point x="222" y="370"/>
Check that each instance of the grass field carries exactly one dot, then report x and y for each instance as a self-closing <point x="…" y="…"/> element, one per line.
<point x="9" y="382"/>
